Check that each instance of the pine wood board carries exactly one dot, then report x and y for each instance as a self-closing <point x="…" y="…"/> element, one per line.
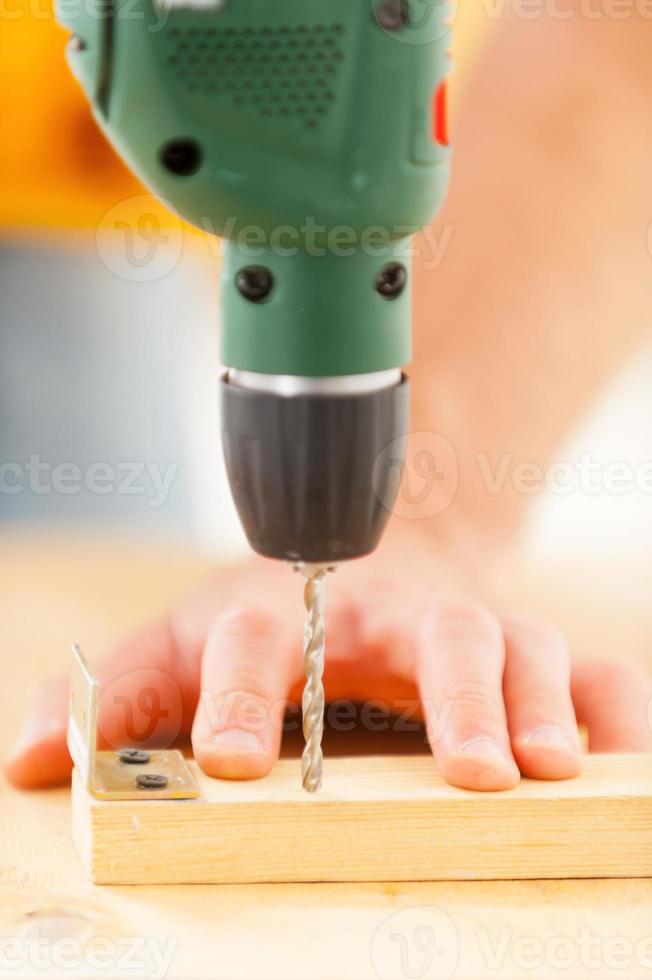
<point x="94" y="589"/>
<point x="376" y="819"/>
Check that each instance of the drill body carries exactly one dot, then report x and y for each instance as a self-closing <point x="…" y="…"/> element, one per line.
<point x="311" y="135"/>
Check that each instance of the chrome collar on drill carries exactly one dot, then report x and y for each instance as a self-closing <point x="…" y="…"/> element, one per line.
<point x="295" y="384"/>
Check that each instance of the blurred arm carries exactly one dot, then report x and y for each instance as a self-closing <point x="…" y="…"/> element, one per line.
<point x="546" y="282"/>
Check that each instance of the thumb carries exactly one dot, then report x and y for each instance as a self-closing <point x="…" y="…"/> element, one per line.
<point x="39" y="757"/>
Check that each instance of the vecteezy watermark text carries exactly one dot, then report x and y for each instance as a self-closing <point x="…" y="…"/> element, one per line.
<point x="423" y="943"/>
<point x="32" y="952"/>
<point x="425" y="473"/>
<point x="424" y="25"/>
<point x="137" y="245"/>
<point x="585" y="475"/>
<point x="150" y="480"/>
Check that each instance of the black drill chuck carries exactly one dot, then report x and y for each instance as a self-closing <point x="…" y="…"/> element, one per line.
<point x="308" y="474"/>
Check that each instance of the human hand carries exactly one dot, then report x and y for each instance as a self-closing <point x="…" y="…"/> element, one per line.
<point x="408" y="626"/>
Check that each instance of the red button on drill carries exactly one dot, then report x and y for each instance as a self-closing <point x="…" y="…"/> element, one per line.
<point x="440" y="114"/>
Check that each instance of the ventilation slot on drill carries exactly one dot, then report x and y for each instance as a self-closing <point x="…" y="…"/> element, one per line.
<point x="278" y="72"/>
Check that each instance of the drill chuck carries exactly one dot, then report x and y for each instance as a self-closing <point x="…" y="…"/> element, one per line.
<point x="313" y="395"/>
<point x="305" y="460"/>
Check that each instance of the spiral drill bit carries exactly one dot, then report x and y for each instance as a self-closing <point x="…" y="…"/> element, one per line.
<point x="314" y="637"/>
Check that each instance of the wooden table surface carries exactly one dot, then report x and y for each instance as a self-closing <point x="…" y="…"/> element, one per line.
<point x="51" y="918"/>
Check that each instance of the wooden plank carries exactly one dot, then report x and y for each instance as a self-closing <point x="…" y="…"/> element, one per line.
<point x="96" y="590"/>
<point x="352" y="931"/>
<point x="377" y="819"/>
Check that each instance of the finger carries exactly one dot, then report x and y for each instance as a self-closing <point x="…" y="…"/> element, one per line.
<point x="148" y="691"/>
<point x="248" y="666"/>
<point x="460" y="670"/>
<point x="540" y="714"/>
<point x="39" y="756"/>
<point x="614" y="701"/>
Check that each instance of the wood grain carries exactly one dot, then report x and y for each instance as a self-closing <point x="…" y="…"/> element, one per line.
<point x="377" y="819"/>
<point x="54" y="590"/>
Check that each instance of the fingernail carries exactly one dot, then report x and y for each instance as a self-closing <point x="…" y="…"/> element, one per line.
<point x="35" y="729"/>
<point x="238" y="741"/>
<point x="550" y="737"/>
<point x="19" y="745"/>
<point x="487" y="749"/>
<point x="16" y="750"/>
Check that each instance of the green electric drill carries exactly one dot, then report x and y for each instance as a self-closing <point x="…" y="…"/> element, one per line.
<point x="312" y="135"/>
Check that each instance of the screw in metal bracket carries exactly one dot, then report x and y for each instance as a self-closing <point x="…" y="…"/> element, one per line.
<point x="151" y="780"/>
<point x="133" y="757"/>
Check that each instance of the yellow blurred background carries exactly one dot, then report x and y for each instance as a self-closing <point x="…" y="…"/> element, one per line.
<point x="56" y="168"/>
<point x="99" y="363"/>
<point x="101" y="359"/>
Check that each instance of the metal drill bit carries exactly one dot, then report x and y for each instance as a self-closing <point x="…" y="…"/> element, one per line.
<point x="314" y="638"/>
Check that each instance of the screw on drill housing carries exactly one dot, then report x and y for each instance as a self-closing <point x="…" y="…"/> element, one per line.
<point x="391" y="280"/>
<point x="133" y="757"/>
<point x="151" y="780"/>
<point x="255" y="283"/>
<point x="181" y="157"/>
<point x="391" y="15"/>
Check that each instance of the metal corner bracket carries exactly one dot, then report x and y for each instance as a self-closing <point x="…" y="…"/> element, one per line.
<point x="156" y="774"/>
